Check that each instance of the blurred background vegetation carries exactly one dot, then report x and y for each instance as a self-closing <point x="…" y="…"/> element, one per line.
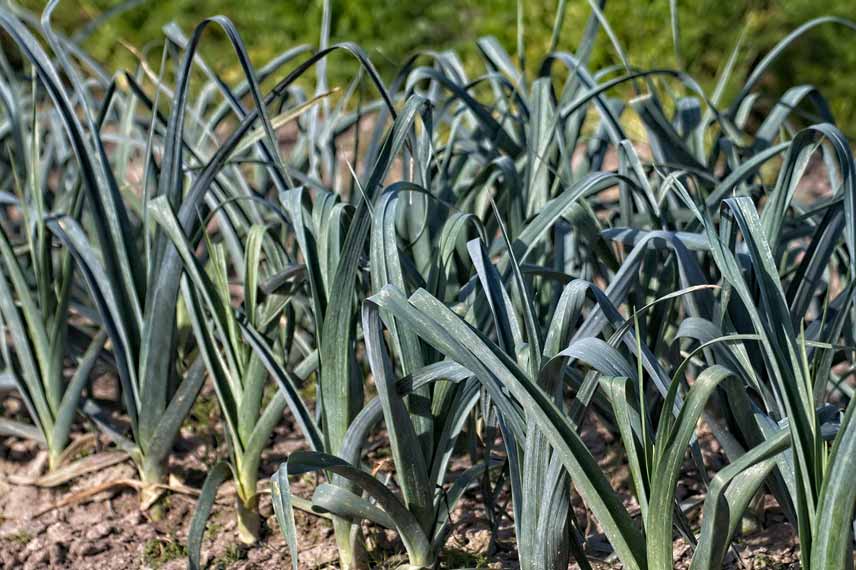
<point x="390" y="30"/>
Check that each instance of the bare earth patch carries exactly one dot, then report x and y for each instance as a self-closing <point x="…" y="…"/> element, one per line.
<point x="110" y="532"/>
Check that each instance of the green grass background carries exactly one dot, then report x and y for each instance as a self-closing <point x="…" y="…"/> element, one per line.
<point x="391" y="29"/>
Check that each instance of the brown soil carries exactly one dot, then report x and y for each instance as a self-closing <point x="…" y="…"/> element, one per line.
<point x="110" y="532"/>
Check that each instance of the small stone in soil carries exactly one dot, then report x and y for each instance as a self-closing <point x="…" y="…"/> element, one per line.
<point x="37" y="558"/>
<point x="88" y="548"/>
<point x="58" y="532"/>
<point x="99" y="531"/>
<point x="134" y="518"/>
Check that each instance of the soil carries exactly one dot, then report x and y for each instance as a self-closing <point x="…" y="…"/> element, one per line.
<point x="109" y="531"/>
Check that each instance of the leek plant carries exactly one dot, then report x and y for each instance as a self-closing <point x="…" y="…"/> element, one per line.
<point x="238" y="374"/>
<point x="422" y="515"/>
<point x="37" y="284"/>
